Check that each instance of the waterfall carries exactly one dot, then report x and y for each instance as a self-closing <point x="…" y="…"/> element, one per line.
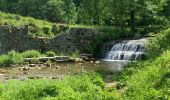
<point x="126" y="50"/>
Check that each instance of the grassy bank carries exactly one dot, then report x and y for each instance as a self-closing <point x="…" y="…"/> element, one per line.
<point x="143" y="80"/>
<point x="14" y="57"/>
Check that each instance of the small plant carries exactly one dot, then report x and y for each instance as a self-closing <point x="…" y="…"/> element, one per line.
<point x="55" y="29"/>
<point x="50" y="54"/>
<point x="63" y="27"/>
<point x="12" y="57"/>
<point x="76" y="54"/>
<point x="31" y="54"/>
<point x="15" y="57"/>
<point x="35" y="61"/>
<point x="46" y="30"/>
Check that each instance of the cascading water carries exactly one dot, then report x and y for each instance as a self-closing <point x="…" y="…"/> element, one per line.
<point x="118" y="54"/>
<point x="127" y="50"/>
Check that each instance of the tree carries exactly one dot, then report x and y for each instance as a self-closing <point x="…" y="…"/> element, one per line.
<point x="91" y="11"/>
<point x="70" y="11"/>
<point x="53" y="11"/>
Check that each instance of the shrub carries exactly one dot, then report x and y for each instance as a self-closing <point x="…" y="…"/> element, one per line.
<point x="76" y="54"/>
<point x="50" y="54"/>
<point x="55" y="29"/>
<point x="15" y="57"/>
<point x="12" y="57"/>
<point x="31" y="54"/>
<point x="46" y="30"/>
<point x="4" y="60"/>
<point x="63" y="27"/>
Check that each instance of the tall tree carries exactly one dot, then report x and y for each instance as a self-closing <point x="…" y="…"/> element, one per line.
<point x="70" y="11"/>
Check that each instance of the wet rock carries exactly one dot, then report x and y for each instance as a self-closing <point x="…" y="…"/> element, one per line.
<point x="1" y="74"/>
<point x="7" y="78"/>
<point x="25" y="73"/>
<point x="79" y="60"/>
<point x="110" y="86"/>
<point x="31" y="77"/>
<point x="38" y="77"/>
<point x="32" y="65"/>
<point x="2" y="71"/>
<point x="57" y="67"/>
<point x="48" y="65"/>
<point x="80" y="63"/>
<point x="14" y="77"/>
<point x="97" y="62"/>
<point x="24" y="68"/>
<point x="55" y="77"/>
<point x="13" y="65"/>
<point x="91" y="61"/>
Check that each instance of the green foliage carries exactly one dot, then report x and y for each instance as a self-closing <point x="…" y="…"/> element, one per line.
<point x="14" y="57"/>
<point x="148" y="79"/>
<point x="76" y="54"/>
<point x="31" y="54"/>
<point x="93" y="12"/>
<point x="50" y="54"/>
<point x="11" y="58"/>
<point x="52" y="10"/>
<point x="78" y="87"/>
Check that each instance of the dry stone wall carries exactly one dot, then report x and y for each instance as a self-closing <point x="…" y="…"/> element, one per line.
<point x="76" y="39"/>
<point x="17" y="38"/>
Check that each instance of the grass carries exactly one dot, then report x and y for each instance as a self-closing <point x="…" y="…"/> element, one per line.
<point x="76" y="87"/>
<point x="14" y="57"/>
<point x="36" y="27"/>
<point x="44" y="28"/>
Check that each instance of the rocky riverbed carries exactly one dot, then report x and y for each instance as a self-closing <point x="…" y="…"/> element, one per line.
<point x="50" y="71"/>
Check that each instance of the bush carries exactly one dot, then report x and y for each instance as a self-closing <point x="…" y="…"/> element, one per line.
<point x="46" y="30"/>
<point x="76" y="54"/>
<point x="50" y="54"/>
<point x="12" y="57"/>
<point x="63" y="27"/>
<point x="15" y="57"/>
<point x="85" y="86"/>
<point x="55" y="29"/>
<point x="31" y="54"/>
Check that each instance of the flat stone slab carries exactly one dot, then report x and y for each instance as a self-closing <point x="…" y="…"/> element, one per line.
<point x="44" y="59"/>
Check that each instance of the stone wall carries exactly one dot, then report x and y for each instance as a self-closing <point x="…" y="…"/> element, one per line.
<point x="76" y="39"/>
<point x="17" y="38"/>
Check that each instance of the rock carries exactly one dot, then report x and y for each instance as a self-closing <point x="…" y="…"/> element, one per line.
<point x="97" y="62"/>
<point x="31" y="77"/>
<point x="80" y="63"/>
<point x="48" y="65"/>
<point x="110" y="85"/>
<point x="91" y="62"/>
<point x="13" y="65"/>
<point x="25" y="73"/>
<point x="2" y="71"/>
<point x="24" y="68"/>
<point x="32" y="65"/>
<point x="57" y="67"/>
<point x="54" y="77"/>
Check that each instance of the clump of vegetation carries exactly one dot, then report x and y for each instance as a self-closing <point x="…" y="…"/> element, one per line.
<point x="84" y="86"/>
<point x="50" y="54"/>
<point x="76" y="54"/>
<point x="36" y="27"/>
<point x="31" y="54"/>
<point x="11" y="58"/>
<point x="14" y="57"/>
